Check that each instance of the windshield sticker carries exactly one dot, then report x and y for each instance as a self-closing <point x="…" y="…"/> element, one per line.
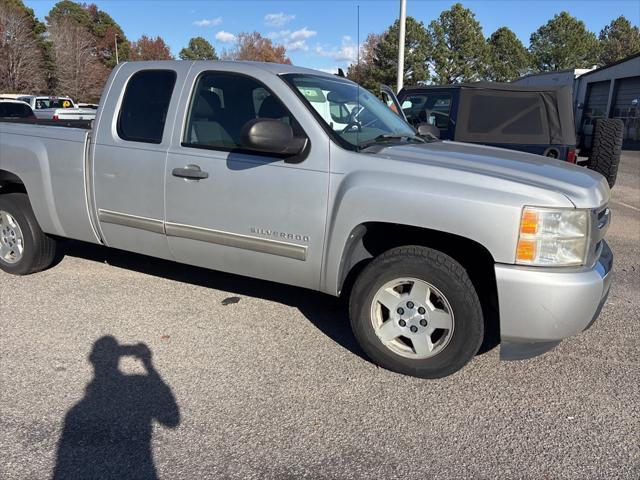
<point x="312" y="94"/>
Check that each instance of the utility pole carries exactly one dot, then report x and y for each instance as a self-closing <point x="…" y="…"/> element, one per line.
<point x="115" y="39"/>
<point x="403" y="21"/>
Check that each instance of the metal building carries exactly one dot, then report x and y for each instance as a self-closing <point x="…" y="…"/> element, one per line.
<point x="557" y="77"/>
<point x="614" y="92"/>
<point x="607" y="92"/>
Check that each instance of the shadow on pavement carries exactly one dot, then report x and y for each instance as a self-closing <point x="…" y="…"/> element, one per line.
<point x="325" y="312"/>
<point x="107" y="434"/>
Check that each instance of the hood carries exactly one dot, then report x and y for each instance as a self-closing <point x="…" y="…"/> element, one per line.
<point x="584" y="188"/>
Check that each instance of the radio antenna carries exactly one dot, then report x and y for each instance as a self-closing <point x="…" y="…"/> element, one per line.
<point x="358" y="66"/>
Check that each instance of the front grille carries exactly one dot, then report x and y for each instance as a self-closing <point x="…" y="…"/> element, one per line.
<point x="603" y="218"/>
<point x="600" y="220"/>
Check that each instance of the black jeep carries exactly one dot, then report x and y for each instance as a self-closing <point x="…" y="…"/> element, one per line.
<point x="535" y="120"/>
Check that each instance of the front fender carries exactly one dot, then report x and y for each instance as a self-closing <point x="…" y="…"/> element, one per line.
<point x="487" y="215"/>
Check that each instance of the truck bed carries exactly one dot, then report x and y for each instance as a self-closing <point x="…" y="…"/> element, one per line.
<point x="50" y="159"/>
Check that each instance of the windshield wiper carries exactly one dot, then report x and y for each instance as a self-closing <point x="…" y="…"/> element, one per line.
<point x="387" y="137"/>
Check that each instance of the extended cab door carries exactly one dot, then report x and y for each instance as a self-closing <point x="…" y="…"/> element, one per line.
<point x="243" y="211"/>
<point x="133" y="132"/>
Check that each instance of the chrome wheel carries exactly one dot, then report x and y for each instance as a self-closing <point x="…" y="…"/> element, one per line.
<point x="11" y="239"/>
<point x="412" y="318"/>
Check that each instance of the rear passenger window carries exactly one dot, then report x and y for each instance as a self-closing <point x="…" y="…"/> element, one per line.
<point x="507" y="114"/>
<point x="222" y="103"/>
<point x="145" y="105"/>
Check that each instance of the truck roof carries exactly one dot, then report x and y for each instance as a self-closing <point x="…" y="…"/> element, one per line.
<point x="48" y="97"/>
<point x="12" y="100"/>
<point x="274" y="68"/>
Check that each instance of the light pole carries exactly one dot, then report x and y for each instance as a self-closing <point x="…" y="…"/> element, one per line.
<point x="115" y="40"/>
<point x="403" y="21"/>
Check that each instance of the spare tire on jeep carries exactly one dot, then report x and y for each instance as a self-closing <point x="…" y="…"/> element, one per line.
<point x="606" y="148"/>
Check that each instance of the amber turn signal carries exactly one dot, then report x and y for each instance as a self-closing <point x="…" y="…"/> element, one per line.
<point x="526" y="250"/>
<point x="529" y="222"/>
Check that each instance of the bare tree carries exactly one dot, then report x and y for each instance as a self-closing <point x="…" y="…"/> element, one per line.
<point x="21" y="58"/>
<point x="78" y="69"/>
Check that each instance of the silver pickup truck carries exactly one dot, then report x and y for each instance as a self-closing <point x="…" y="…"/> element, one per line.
<point x="304" y="178"/>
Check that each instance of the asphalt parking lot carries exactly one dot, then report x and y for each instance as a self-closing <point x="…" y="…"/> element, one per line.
<point x="256" y="380"/>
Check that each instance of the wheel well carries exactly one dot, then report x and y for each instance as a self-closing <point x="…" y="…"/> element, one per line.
<point x="11" y="183"/>
<point x="369" y="240"/>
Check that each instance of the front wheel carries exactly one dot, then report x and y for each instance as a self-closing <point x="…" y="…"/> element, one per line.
<point x="24" y="247"/>
<point x="415" y="311"/>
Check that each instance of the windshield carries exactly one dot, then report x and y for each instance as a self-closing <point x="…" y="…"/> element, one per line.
<point x="354" y="116"/>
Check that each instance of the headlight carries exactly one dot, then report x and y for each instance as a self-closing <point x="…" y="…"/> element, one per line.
<point x="553" y="237"/>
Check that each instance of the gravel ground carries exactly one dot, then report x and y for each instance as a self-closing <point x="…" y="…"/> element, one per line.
<point x="254" y="380"/>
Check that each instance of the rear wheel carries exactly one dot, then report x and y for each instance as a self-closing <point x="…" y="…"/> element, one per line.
<point x="415" y="311"/>
<point x="606" y="148"/>
<point x="24" y="248"/>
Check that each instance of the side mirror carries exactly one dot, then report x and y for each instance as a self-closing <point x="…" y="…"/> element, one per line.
<point x="269" y="135"/>
<point x="427" y="130"/>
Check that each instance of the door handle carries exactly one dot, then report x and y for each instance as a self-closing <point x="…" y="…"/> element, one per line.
<point x="191" y="172"/>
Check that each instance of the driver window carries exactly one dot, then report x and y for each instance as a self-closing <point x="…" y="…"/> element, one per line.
<point x="222" y="103"/>
<point x="412" y="106"/>
<point x="433" y="109"/>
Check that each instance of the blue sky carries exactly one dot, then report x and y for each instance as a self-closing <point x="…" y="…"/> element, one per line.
<point x="322" y="34"/>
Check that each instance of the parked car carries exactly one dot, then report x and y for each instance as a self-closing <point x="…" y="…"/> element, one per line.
<point x="10" y="108"/>
<point x="57" y="108"/>
<point x="529" y="119"/>
<point x="230" y="166"/>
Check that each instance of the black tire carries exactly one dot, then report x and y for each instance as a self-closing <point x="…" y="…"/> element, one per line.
<point x="606" y="148"/>
<point x="39" y="249"/>
<point x="450" y="278"/>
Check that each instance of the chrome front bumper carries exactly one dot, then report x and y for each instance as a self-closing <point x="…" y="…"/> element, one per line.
<point x="539" y="307"/>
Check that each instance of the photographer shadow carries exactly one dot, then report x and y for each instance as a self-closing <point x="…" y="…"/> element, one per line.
<point x="107" y="434"/>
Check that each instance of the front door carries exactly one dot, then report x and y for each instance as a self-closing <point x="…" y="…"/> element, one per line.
<point x="390" y="99"/>
<point x="240" y="211"/>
